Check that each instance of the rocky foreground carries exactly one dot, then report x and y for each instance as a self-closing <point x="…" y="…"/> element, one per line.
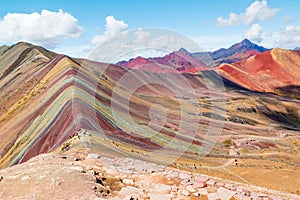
<point x="80" y="174"/>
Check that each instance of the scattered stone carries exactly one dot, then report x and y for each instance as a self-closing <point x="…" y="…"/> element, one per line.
<point x="140" y="168"/>
<point x="134" y="181"/>
<point x="196" y="194"/>
<point x="263" y="197"/>
<point x="256" y="195"/>
<point x="93" y="155"/>
<point x="242" y="197"/>
<point x="160" y="196"/>
<point x="162" y="189"/>
<point x="185" y="193"/>
<point x="202" y="191"/>
<point x="213" y="196"/>
<point x="230" y="186"/>
<point x="199" y="184"/>
<point x="133" y="192"/>
<point x="25" y="178"/>
<point x="234" y="152"/>
<point x="99" y="179"/>
<point x="183" y="175"/>
<point x="77" y="159"/>
<point x="239" y="189"/>
<point x="246" y="193"/>
<point x="94" y="187"/>
<point x="128" y="181"/>
<point x="243" y="191"/>
<point x="201" y="178"/>
<point x="220" y="184"/>
<point x="190" y="188"/>
<point x="113" y="171"/>
<point x="186" y="182"/>
<point x="103" y="192"/>
<point x="174" y="188"/>
<point x="211" y="182"/>
<point x="275" y="197"/>
<point x="128" y="197"/>
<point x="172" y="175"/>
<point x="225" y="194"/>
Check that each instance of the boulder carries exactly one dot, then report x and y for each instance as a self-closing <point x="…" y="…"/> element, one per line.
<point x="213" y="196"/>
<point x="160" y="196"/>
<point x="211" y="182"/>
<point x="199" y="184"/>
<point x="190" y="188"/>
<point x="185" y="193"/>
<point x="184" y="175"/>
<point x="162" y="188"/>
<point x="133" y="192"/>
<point x="174" y="188"/>
<point x="93" y="155"/>
<point x="202" y="191"/>
<point x="128" y="181"/>
<point x="201" y="178"/>
<point x="225" y="194"/>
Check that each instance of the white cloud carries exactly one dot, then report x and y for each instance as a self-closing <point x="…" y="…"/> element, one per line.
<point x="257" y="11"/>
<point x="163" y="41"/>
<point x="113" y="27"/>
<point x="254" y="33"/>
<point x="146" y="42"/>
<point x="141" y="35"/>
<point x="76" y="51"/>
<point x="289" y="37"/>
<point x="46" y="28"/>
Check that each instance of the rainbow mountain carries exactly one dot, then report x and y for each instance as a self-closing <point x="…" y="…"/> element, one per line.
<point x="250" y="106"/>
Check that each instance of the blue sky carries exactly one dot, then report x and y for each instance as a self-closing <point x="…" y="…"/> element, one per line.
<point x="75" y="26"/>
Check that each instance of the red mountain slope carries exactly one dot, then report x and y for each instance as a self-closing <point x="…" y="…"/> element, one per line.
<point x="178" y="61"/>
<point x="266" y="71"/>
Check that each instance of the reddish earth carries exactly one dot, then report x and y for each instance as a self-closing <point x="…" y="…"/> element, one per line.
<point x="46" y="98"/>
<point x="177" y="61"/>
<point x="81" y="173"/>
<point x="266" y="71"/>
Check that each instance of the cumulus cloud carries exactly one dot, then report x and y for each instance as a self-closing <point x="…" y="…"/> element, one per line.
<point x="113" y="27"/>
<point x="290" y="37"/>
<point x="254" y="33"/>
<point x="46" y="28"/>
<point x="257" y="11"/>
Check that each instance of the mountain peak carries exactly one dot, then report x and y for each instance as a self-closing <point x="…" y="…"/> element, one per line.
<point x="235" y="53"/>
<point x="23" y="43"/>
<point x="246" y="42"/>
<point x="182" y="50"/>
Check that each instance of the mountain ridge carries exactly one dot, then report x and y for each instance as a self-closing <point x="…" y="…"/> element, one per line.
<point x="46" y="102"/>
<point x="234" y="53"/>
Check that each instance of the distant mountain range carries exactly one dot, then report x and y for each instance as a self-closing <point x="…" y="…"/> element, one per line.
<point x="184" y="61"/>
<point x="246" y="64"/>
<point x="181" y="61"/>
<point x="235" y="53"/>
